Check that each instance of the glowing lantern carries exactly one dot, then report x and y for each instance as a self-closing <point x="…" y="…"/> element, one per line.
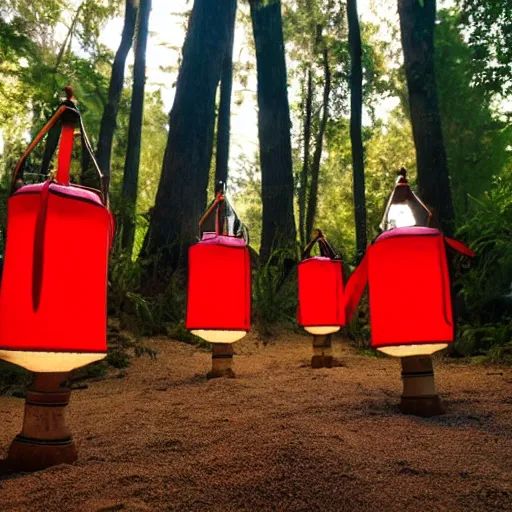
<point x="54" y="282"/>
<point x="53" y="290"/>
<point x="409" y="290"/>
<point x="408" y="279"/>
<point x="404" y="207"/>
<point x="219" y="277"/>
<point x="321" y="308"/>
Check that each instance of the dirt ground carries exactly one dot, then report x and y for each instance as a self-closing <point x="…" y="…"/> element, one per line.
<point x="281" y="436"/>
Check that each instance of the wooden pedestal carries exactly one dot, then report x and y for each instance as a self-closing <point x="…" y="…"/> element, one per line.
<point x="222" y="361"/>
<point x="322" y="351"/>
<point x="419" y="395"/>
<point x="45" y="439"/>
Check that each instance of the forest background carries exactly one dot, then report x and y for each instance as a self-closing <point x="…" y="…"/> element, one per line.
<point x="309" y="133"/>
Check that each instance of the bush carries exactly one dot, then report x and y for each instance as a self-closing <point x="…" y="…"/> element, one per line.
<point x="489" y="233"/>
<point x="494" y="341"/>
<point x="274" y="293"/>
<point x="13" y="375"/>
<point x="486" y="287"/>
<point x="358" y="331"/>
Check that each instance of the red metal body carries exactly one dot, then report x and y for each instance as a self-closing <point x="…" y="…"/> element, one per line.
<point x="409" y="287"/>
<point x="321" y="298"/>
<point x="219" y="284"/>
<point x="54" y="282"/>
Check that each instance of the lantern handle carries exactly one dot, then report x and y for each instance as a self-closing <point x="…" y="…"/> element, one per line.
<point x="326" y="249"/>
<point x="219" y="198"/>
<point x="68" y="114"/>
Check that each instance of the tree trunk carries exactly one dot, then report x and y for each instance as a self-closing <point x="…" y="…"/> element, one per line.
<point x="131" y="165"/>
<point x="305" y="163"/>
<point x="278" y="226"/>
<point x="417" y="25"/>
<point x="356" y="114"/>
<point x="67" y="40"/>
<point x="181" y="196"/>
<point x="224" y="118"/>
<point x="108" y="121"/>
<point x="317" y="157"/>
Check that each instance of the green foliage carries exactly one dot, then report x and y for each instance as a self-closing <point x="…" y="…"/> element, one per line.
<point x="274" y="295"/>
<point x="489" y="233"/>
<point x="487" y="24"/>
<point x="487" y="286"/>
<point x="12" y="375"/>
<point x="246" y="186"/>
<point x="476" y="139"/>
<point x="358" y="330"/>
<point x="493" y="341"/>
<point x="389" y="147"/>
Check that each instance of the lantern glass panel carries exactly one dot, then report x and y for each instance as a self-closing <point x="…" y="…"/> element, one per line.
<point x="404" y="207"/>
<point x="400" y="216"/>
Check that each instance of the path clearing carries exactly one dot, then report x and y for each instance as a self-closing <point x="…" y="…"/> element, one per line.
<point x="280" y="437"/>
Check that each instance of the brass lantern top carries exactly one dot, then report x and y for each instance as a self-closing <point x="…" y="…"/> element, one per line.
<point x="404" y="208"/>
<point x="220" y="217"/>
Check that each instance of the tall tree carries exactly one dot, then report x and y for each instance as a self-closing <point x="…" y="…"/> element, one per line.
<point x="224" y="117"/>
<point x="278" y="229"/>
<point x="417" y="24"/>
<point x="317" y="156"/>
<point x="356" y="113"/>
<point x="108" y="121"/>
<point x="304" y="175"/>
<point x="131" y="166"/>
<point x="181" y="196"/>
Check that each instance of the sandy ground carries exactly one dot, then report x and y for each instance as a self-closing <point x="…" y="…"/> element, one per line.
<point x="281" y="436"/>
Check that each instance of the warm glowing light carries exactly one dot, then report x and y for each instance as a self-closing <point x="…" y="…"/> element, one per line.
<point x="50" y="362"/>
<point x="400" y="216"/>
<point x="425" y="349"/>
<point x="322" y="330"/>
<point x="410" y="301"/>
<point x="219" y="336"/>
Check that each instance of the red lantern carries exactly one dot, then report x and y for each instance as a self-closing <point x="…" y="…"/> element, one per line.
<point x="53" y="288"/>
<point x="321" y="301"/>
<point x="409" y="290"/>
<point x="408" y="280"/>
<point x="219" y="277"/>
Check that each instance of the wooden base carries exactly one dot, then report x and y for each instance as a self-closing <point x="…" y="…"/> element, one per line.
<point x="426" y="406"/>
<point x="45" y="439"/>
<point x="222" y="361"/>
<point x="419" y="396"/>
<point x="322" y="351"/>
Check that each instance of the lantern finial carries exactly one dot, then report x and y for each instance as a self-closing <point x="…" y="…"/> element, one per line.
<point x="220" y="188"/>
<point x="69" y="92"/>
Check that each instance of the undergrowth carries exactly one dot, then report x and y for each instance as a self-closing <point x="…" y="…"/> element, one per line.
<point x="274" y="294"/>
